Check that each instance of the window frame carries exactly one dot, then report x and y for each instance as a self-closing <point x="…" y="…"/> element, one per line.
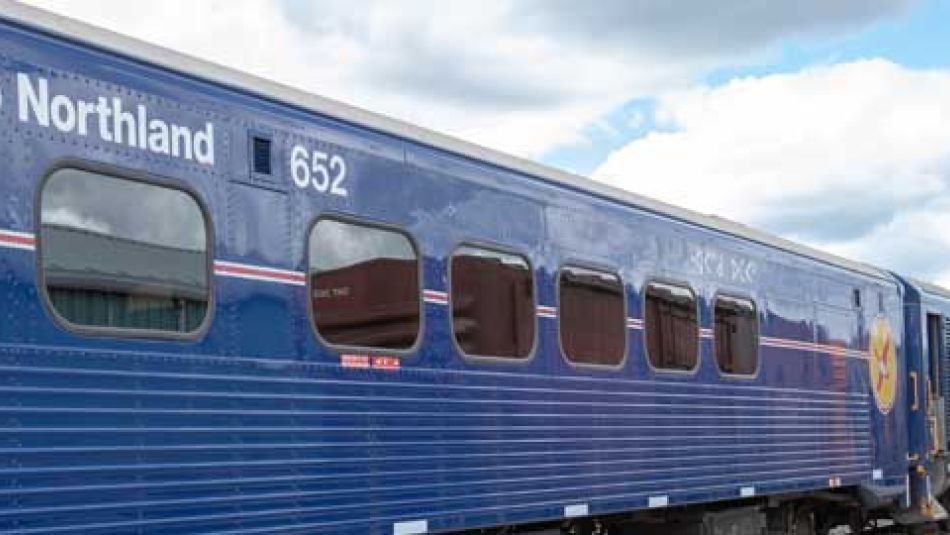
<point x="692" y="372"/>
<point x="311" y="319"/>
<point x="758" y="335"/>
<point x="141" y="177"/>
<point x="450" y="315"/>
<point x="626" y="306"/>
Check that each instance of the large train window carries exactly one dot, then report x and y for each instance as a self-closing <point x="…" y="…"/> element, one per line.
<point x="736" y="335"/>
<point x="123" y="256"/>
<point x="492" y="303"/>
<point x="671" y="327"/>
<point x="364" y="285"/>
<point x="592" y="318"/>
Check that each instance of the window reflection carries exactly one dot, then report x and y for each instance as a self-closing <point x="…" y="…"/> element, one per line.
<point x="364" y="285"/>
<point x="592" y="319"/>
<point x="492" y="303"/>
<point x="671" y="327"/>
<point x="123" y="254"/>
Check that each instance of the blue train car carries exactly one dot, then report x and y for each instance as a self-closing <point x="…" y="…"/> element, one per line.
<point x="231" y="307"/>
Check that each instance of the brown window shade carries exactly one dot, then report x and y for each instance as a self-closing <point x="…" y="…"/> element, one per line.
<point x="364" y="285"/>
<point x="492" y="303"/>
<point x="737" y="335"/>
<point x="592" y="318"/>
<point x="671" y="328"/>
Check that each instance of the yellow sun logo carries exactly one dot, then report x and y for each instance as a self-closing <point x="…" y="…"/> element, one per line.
<point x="883" y="365"/>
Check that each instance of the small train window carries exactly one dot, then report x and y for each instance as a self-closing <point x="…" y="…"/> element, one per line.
<point x="119" y="254"/>
<point x="736" y="335"/>
<point x="671" y="327"/>
<point x="261" y="155"/>
<point x="592" y="317"/>
<point x="364" y="285"/>
<point x="492" y="303"/>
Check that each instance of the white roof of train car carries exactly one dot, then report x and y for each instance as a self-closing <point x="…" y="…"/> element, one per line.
<point x="175" y="61"/>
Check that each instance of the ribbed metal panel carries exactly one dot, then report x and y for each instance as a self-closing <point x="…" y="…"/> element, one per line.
<point x="131" y="443"/>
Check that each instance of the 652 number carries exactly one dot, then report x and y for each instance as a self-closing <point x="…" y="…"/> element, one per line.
<point x="322" y="171"/>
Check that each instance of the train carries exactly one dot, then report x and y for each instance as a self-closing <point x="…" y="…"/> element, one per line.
<point x="235" y="307"/>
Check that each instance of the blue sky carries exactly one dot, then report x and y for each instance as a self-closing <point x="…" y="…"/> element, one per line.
<point x="827" y="122"/>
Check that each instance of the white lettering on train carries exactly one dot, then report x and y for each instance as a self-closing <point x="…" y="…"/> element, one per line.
<point x="113" y="122"/>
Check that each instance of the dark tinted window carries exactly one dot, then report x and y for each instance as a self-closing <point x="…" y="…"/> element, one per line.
<point x="364" y="285"/>
<point x="737" y="335"/>
<point x="671" y="329"/>
<point x="261" y="157"/>
<point x="123" y="254"/>
<point x="492" y="303"/>
<point x="593" y="325"/>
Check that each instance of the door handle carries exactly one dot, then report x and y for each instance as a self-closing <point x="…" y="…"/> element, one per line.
<point x="913" y="379"/>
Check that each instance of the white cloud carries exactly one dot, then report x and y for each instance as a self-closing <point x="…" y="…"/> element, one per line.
<point x="447" y="66"/>
<point x="506" y="74"/>
<point x="853" y="158"/>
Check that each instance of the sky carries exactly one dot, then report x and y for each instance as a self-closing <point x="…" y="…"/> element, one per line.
<point x="824" y="121"/>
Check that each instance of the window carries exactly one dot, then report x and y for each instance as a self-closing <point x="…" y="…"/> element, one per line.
<point x="261" y="155"/>
<point x="492" y="303"/>
<point x="593" y="326"/>
<point x="736" y="335"/>
<point x="671" y="328"/>
<point x="364" y="285"/>
<point x="123" y="254"/>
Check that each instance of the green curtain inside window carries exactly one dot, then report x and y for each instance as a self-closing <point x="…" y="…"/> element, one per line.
<point x="121" y="310"/>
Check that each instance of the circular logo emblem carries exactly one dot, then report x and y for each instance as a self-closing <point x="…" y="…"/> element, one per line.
<point x="883" y="365"/>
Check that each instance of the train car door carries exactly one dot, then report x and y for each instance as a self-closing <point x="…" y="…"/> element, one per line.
<point x="934" y="400"/>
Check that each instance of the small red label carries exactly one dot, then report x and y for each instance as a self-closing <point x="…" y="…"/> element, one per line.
<point x="385" y="363"/>
<point x="355" y="361"/>
<point x="365" y="362"/>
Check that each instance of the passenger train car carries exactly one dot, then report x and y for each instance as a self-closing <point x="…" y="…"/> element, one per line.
<point x="232" y="307"/>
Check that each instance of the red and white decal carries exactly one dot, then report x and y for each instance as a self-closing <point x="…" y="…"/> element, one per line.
<point x="366" y="362"/>
<point x="435" y="297"/>
<point x="635" y="323"/>
<point x="383" y="362"/>
<point x="259" y="273"/>
<point x="17" y="240"/>
<point x="705" y="333"/>
<point x="546" y="312"/>
<point x="360" y="362"/>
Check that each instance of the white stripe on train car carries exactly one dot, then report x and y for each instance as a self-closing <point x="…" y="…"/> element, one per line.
<point x="17" y="240"/>
<point x="13" y="239"/>
<point x="576" y="510"/>
<point x="837" y="351"/>
<point x="435" y="297"/>
<point x="411" y="527"/>
<point x="259" y="273"/>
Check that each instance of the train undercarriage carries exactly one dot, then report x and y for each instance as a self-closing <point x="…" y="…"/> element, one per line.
<point x="841" y="511"/>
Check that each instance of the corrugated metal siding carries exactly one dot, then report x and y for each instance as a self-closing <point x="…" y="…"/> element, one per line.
<point x="96" y="442"/>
